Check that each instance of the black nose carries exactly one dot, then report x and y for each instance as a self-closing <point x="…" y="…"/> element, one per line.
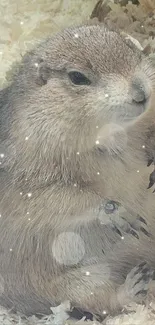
<point x="140" y="92"/>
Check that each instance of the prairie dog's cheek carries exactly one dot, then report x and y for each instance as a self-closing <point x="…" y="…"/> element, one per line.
<point x="113" y="137"/>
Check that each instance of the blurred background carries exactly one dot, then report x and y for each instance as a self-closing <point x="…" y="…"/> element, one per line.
<point x="25" y="22"/>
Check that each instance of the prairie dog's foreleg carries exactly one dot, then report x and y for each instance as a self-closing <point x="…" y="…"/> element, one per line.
<point x="92" y="289"/>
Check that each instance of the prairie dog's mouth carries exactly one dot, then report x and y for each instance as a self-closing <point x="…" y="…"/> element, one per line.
<point x="133" y="110"/>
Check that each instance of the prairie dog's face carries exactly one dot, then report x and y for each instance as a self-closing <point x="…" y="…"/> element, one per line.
<point x="86" y="78"/>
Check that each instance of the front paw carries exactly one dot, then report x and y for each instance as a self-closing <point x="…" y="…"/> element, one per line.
<point x="137" y="282"/>
<point x="135" y="228"/>
<point x="136" y="285"/>
<point x="122" y="221"/>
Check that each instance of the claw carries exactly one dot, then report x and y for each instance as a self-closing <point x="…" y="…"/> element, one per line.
<point x="150" y="162"/>
<point x="145" y="232"/>
<point x="142" y="220"/>
<point x="117" y="231"/>
<point x="142" y="292"/>
<point x="133" y="233"/>
<point x="141" y="265"/>
<point x="152" y="179"/>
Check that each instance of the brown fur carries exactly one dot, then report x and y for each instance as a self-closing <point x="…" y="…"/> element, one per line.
<point x="59" y="121"/>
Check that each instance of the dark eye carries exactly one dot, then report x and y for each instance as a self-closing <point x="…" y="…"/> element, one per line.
<point x="78" y="78"/>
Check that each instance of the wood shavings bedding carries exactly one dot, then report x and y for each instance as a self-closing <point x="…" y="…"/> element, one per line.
<point x="136" y="20"/>
<point x="140" y="316"/>
<point x="25" y="22"/>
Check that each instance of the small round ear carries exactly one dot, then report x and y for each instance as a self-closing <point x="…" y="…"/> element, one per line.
<point x="43" y="73"/>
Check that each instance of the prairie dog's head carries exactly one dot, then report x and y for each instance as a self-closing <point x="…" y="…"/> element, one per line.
<point x="74" y="84"/>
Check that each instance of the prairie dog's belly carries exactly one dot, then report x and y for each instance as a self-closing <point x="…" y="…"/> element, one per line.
<point x="33" y="266"/>
<point x="30" y="268"/>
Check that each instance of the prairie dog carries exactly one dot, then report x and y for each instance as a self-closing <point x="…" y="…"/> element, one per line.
<point x="68" y="142"/>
